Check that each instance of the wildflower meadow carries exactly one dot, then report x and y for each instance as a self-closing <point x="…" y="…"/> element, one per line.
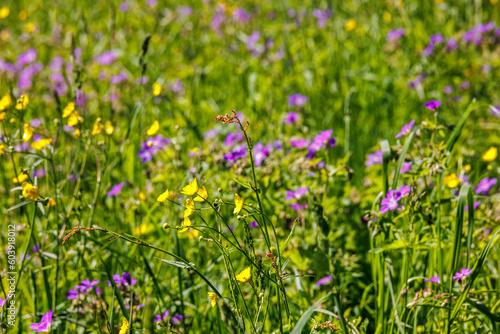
<point x="285" y="166"/>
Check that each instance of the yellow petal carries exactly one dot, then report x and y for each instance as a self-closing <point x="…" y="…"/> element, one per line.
<point x="163" y="197"/>
<point x="2" y="116"/>
<point x="191" y="188"/>
<point x="109" y="128"/>
<point x="238" y="202"/>
<point x="73" y="118"/>
<point x="213" y="298"/>
<point x="22" y="102"/>
<point x="187" y="223"/>
<point x="125" y="326"/>
<point x="97" y="128"/>
<point x="350" y="25"/>
<point x="156" y="89"/>
<point x="155" y="127"/>
<point x="202" y="195"/>
<point x="452" y="180"/>
<point x="28" y="132"/>
<point x="189" y="207"/>
<point x="244" y="275"/>
<point x="68" y="110"/>
<point x="491" y="154"/>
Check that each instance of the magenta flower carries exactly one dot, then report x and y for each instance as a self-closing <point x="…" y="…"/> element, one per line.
<point x="44" y="325"/>
<point x="107" y="58"/>
<point x="320" y="142"/>
<point x="434" y="279"/>
<point x="406" y="129"/>
<point x="299" y="143"/>
<point x="126" y="280"/>
<point x="116" y="189"/>
<point x="464" y="85"/>
<point x="260" y="152"/>
<point x="485" y="185"/>
<point x="391" y="201"/>
<point x="297" y="194"/>
<point x="185" y="10"/>
<point x="433" y="104"/>
<point x="495" y="111"/>
<point x="238" y="153"/>
<point x="241" y="15"/>
<point x="116" y="79"/>
<point x="253" y="224"/>
<point x="475" y="205"/>
<point x="291" y="118"/>
<point x="322" y="16"/>
<point x="462" y="274"/>
<point x="405" y="190"/>
<point x="448" y="89"/>
<point x="123" y="7"/>
<point x="3" y="301"/>
<point x="232" y="138"/>
<point x="406" y="167"/>
<point x="297" y="100"/>
<point x="452" y="44"/>
<point x="325" y="280"/>
<point x="395" y="34"/>
<point x="158" y="317"/>
<point x="374" y="159"/>
<point x="26" y="58"/>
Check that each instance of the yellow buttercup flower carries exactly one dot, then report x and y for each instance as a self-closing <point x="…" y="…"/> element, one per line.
<point x="4" y="12"/>
<point x="68" y="110"/>
<point x="51" y="202"/>
<point x="244" y="275"/>
<point x="142" y="197"/>
<point x="202" y="195"/>
<point x="189" y="207"/>
<point x="193" y="234"/>
<point x="22" y="102"/>
<point x="5" y="102"/>
<point x="125" y="327"/>
<point x="387" y="17"/>
<point x="163" y="197"/>
<point x="186" y="223"/>
<point x="156" y="89"/>
<point x="452" y="180"/>
<point x="2" y="149"/>
<point x="20" y="178"/>
<point x="191" y="188"/>
<point x="238" y="202"/>
<point x="155" y="127"/>
<point x="74" y="118"/>
<point x="491" y="154"/>
<point x="350" y="25"/>
<point x="30" y="27"/>
<point x="109" y="128"/>
<point x="77" y="133"/>
<point x="2" y="116"/>
<point x="213" y="298"/>
<point x="97" y="128"/>
<point x="41" y="144"/>
<point x="28" y="132"/>
<point x="467" y="168"/>
<point x="30" y="191"/>
<point x="141" y="229"/>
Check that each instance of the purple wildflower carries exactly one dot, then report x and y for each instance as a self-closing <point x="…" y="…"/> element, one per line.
<point x="405" y="168"/>
<point x="391" y="201"/>
<point x="151" y="147"/>
<point x="495" y="111"/>
<point x="452" y="44"/>
<point x="297" y="194"/>
<point x="320" y="142"/>
<point x="158" y="317"/>
<point x="297" y="100"/>
<point x="253" y="224"/>
<point x="374" y="159"/>
<point x="107" y="57"/>
<point x="434" y="279"/>
<point x="260" y="152"/>
<point x="26" y="58"/>
<point x="395" y="34"/>
<point x="406" y="129"/>
<point x="405" y="190"/>
<point x="448" y="89"/>
<point x="116" y="189"/>
<point x="432" y="105"/>
<point x="299" y="143"/>
<point x="3" y="301"/>
<point x="123" y="7"/>
<point x="322" y="16"/>
<point x="462" y="274"/>
<point x="485" y="185"/>
<point x="44" y="325"/>
<point x="464" y="85"/>
<point x="210" y="133"/>
<point x="232" y="138"/>
<point x="116" y="79"/>
<point x="325" y="280"/>
<point x="238" y="153"/>
<point x="475" y="205"/>
<point x="185" y="10"/>
<point x="241" y="15"/>
<point x="176" y="319"/>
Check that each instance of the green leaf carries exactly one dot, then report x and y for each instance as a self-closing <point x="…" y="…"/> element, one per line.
<point x="307" y="315"/>
<point x="176" y="263"/>
<point x="243" y="184"/>
<point x="286" y="243"/>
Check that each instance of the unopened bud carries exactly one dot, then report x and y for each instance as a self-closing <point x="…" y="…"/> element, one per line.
<point x="165" y="226"/>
